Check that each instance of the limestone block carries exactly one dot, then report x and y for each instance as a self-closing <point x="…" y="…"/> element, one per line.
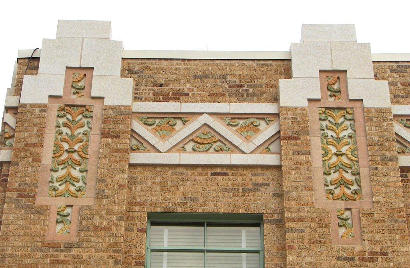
<point x="9" y="92"/>
<point x="254" y="108"/>
<point x="114" y="90"/>
<point x="404" y="161"/>
<point x="58" y="54"/>
<point x="205" y="159"/>
<point x="222" y="130"/>
<point x="353" y="57"/>
<point x="247" y="147"/>
<point x="255" y="159"/>
<point x="37" y="88"/>
<point x="154" y="158"/>
<point x="104" y="55"/>
<point x="296" y="92"/>
<point x="5" y="155"/>
<point x="266" y="134"/>
<point x="12" y="101"/>
<point x="401" y="109"/>
<point x="329" y="32"/>
<point x="163" y="146"/>
<point x="144" y="132"/>
<point x="84" y="29"/>
<point x="10" y="120"/>
<point x="156" y="107"/>
<point x="401" y="131"/>
<point x="183" y="133"/>
<point x="309" y="58"/>
<point x="205" y="107"/>
<point x="374" y="93"/>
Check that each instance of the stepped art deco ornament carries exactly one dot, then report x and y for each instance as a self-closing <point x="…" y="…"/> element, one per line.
<point x="70" y="154"/>
<point x="339" y="156"/>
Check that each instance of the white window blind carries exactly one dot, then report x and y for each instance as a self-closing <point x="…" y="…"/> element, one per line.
<point x="177" y="236"/>
<point x="234" y="237"/>
<point x="205" y="244"/>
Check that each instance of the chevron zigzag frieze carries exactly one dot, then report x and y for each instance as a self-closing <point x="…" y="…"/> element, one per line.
<point x="241" y="134"/>
<point x="205" y="119"/>
<point x="401" y="131"/>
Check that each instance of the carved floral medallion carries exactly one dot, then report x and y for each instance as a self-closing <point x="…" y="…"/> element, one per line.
<point x="248" y="127"/>
<point x="205" y="141"/>
<point x="164" y="126"/>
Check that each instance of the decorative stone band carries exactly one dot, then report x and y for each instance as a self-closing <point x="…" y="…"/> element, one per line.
<point x="219" y="55"/>
<point x="205" y="159"/>
<point x="401" y="115"/>
<point x="209" y="108"/>
<point x="205" y="133"/>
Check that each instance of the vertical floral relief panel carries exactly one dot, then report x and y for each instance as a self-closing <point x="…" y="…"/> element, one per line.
<point x="70" y="154"/>
<point x="339" y="157"/>
<point x="339" y="154"/>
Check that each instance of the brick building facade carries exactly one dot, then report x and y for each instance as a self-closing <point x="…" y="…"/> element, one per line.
<point x="206" y="159"/>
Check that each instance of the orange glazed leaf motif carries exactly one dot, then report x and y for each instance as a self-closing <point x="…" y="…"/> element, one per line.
<point x="339" y="154"/>
<point x="70" y="153"/>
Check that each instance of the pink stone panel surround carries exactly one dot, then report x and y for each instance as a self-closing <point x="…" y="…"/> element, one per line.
<point x="320" y="199"/>
<point x="43" y="197"/>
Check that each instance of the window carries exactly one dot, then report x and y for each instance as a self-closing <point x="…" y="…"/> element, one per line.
<point x="176" y="240"/>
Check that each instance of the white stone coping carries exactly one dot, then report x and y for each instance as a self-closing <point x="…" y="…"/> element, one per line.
<point x="5" y="155"/>
<point x="232" y="55"/>
<point x="391" y="57"/>
<point x="404" y="161"/>
<point x="401" y="131"/>
<point x="246" y="146"/>
<point x="10" y="120"/>
<point x="198" y="54"/>
<point x="204" y="159"/>
<point x="12" y="101"/>
<point x="177" y="107"/>
<point x="401" y="109"/>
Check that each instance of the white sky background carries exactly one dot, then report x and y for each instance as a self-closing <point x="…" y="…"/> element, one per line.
<point x="201" y="25"/>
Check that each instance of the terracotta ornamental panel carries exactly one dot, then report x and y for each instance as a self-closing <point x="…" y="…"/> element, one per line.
<point x="70" y="154"/>
<point x="339" y="156"/>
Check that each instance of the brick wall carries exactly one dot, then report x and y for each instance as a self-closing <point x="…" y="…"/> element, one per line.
<point x="25" y="66"/>
<point x="398" y="75"/>
<point x="405" y="180"/>
<point x="206" y="80"/>
<point x="24" y="223"/>
<point x="205" y="189"/>
<point x="101" y="229"/>
<point x="4" y="176"/>
<point x="384" y="229"/>
<point x="112" y="231"/>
